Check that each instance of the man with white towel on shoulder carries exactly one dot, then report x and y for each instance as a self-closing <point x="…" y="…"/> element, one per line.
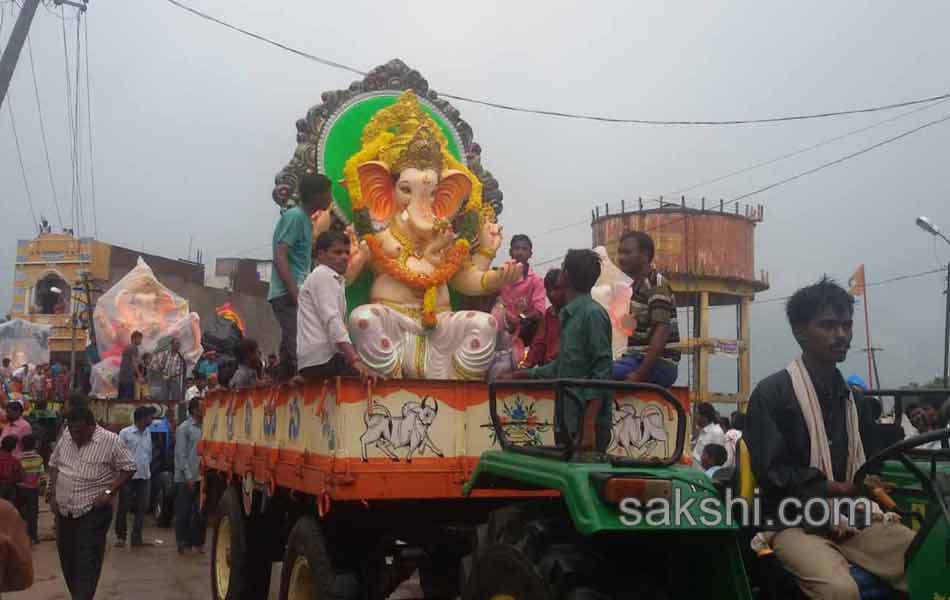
<point x="807" y="435"/>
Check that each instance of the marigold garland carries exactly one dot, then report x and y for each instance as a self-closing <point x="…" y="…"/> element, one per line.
<point x="430" y="282"/>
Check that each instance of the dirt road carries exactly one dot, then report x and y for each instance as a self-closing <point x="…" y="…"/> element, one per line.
<point x="154" y="572"/>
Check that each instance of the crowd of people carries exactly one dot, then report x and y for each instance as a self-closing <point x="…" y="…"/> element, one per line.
<point x="90" y="468"/>
<point x="39" y="384"/>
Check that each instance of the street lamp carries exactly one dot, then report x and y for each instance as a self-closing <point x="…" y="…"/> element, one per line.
<point x="925" y="224"/>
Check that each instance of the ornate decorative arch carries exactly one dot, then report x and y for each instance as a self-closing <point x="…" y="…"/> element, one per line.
<point x="393" y="76"/>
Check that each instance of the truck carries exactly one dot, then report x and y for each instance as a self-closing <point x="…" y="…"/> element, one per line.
<point x="361" y="487"/>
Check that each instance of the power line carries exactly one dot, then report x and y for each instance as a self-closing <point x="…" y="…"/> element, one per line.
<point x="78" y="127"/>
<point x="840" y="160"/>
<point x="809" y="148"/>
<point x="92" y="169"/>
<point x="19" y="154"/>
<point x="69" y="118"/>
<point x="562" y="114"/>
<point x="871" y="284"/>
<point x="39" y="110"/>
<point x="821" y="167"/>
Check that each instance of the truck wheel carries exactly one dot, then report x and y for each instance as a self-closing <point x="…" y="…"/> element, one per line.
<point x="238" y="572"/>
<point x="307" y="573"/>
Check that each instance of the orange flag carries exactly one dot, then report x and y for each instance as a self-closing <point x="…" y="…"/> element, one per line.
<point x="856" y="283"/>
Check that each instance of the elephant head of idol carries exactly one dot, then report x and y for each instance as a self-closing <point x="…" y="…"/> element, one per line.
<point x="404" y="173"/>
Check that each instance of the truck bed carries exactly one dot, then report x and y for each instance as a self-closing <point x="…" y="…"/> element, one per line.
<point x="421" y="439"/>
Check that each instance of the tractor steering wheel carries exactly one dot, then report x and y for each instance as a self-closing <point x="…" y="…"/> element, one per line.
<point x="899" y="451"/>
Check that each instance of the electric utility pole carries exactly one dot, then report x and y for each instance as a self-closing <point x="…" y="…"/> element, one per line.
<point x="12" y="52"/>
<point x="946" y="334"/>
<point x="21" y="29"/>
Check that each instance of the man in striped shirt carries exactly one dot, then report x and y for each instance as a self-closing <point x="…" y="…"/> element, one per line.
<point x="652" y="306"/>
<point x="87" y="468"/>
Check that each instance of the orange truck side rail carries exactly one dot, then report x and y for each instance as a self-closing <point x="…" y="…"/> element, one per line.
<point x="421" y="439"/>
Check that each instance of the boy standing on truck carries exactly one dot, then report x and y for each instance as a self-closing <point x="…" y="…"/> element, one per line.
<point x="292" y="247"/>
<point x="128" y="367"/>
<point x="585" y="351"/>
<point x="523" y="300"/>
<point x="323" y="341"/>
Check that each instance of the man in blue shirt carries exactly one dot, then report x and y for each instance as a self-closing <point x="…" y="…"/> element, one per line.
<point x="135" y="492"/>
<point x="189" y="523"/>
<point x="292" y="250"/>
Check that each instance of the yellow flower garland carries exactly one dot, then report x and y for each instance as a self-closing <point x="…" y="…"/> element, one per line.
<point x="429" y="282"/>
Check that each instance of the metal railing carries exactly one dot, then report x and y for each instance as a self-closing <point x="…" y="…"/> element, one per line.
<point x="564" y="392"/>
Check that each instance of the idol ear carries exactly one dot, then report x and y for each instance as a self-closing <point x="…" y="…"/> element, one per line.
<point x="377" y="187"/>
<point x="451" y="192"/>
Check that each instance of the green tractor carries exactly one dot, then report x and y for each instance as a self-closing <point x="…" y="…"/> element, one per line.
<point x="627" y="527"/>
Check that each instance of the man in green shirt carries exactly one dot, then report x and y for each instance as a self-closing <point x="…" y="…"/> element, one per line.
<point x="292" y="248"/>
<point x="585" y="352"/>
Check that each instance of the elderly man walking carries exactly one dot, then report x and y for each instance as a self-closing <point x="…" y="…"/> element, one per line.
<point x="87" y="468"/>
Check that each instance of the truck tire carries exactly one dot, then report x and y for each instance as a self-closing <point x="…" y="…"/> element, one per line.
<point x="307" y="572"/>
<point x="239" y="571"/>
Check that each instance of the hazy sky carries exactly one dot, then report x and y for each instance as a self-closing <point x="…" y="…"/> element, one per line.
<point x="191" y="122"/>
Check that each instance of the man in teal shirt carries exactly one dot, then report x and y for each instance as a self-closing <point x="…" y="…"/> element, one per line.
<point x="292" y="247"/>
<point x="585" y="352"/>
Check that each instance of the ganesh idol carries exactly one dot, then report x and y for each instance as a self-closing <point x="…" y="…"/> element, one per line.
<point x="420" y="226"/>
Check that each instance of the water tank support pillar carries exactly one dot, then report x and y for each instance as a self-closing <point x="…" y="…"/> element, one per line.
<point x="745" y="371"/>
<point x="702" y="362"/>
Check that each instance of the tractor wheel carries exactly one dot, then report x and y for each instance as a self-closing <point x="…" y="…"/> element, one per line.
<point x="513" y="517"/>
<point x="238" y="571"/>
<point x="504" y="573"/>
<point x="537" y="554"/>
<point x="307" y="573"/>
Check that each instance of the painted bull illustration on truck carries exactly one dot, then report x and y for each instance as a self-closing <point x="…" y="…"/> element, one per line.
<point x="411" y="430"/>
<point x="642" y="432"/>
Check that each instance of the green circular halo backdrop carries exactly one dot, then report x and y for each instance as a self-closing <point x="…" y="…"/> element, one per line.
<point x="341" y="139"/>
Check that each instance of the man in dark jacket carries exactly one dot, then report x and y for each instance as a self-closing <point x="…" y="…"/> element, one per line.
<point x="807" y="435"/>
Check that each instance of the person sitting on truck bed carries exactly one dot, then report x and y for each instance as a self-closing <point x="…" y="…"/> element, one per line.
<point x="247" y="356"/>
<point x="545" y="344"/>
<point x="807" y="435"/>
<point x="324" y="348"/>
<point x="652" y="305"/>
<point x="585" y="349"/>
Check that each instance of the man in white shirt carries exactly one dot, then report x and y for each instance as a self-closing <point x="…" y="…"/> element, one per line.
<point x="709" y="433"/>
<point x="135" y="494"/>
<point x="324" y="348"/>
